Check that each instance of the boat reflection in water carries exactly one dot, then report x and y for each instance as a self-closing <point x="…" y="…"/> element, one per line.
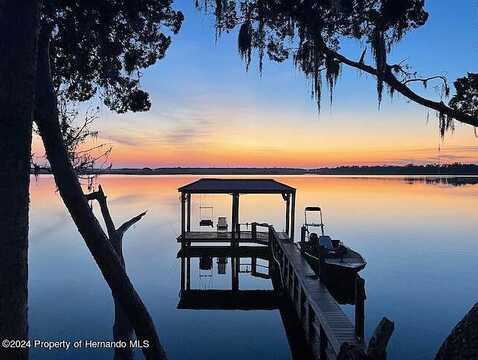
<point x="253" y="264"/>
<point x="343" y="288"/>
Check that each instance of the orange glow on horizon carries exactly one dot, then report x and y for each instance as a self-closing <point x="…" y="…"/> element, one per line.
<point x="319" y="144"/>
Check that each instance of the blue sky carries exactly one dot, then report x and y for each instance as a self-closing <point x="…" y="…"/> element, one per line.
<point x="208" y="111"/>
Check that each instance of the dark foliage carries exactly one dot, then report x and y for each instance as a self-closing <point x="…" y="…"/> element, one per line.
<point x="100" y="47"/>
<point x="312" y="33"/>
<point x="466" y="97"/>
<point x="304" y="30"/>
<point x="411" y="169"/>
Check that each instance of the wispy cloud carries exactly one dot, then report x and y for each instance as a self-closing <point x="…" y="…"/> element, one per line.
<point x="184" y="132"/>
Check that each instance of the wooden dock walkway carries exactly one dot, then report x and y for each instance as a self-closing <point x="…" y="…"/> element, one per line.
<point x="325" y="325"/>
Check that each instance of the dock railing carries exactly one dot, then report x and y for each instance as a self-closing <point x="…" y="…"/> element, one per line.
<point x="254" y="227"/>
<point x="326" y="327"/>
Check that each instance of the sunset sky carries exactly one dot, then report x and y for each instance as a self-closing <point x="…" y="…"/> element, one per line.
<point x="208" y="111"/>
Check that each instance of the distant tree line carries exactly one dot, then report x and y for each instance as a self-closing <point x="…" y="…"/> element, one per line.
<point x="410" y="169"/>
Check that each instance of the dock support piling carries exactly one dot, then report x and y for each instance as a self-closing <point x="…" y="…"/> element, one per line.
<point x="287" y="214"/>
<point x="235" y="220"/>
<point x="322" y="271"/>
<point x="360" y="307"/>
<point x="183" y="214"/>
<point x="188" y="211"/>
<point x="292" y="218"/>
<point x="188" y="273"/>
<point x="183" y="270"/>
<point x="323" y="344"/>
<point x="235" y="264"/>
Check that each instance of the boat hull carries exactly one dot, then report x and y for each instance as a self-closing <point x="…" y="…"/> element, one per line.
<point x="349" y="264"/>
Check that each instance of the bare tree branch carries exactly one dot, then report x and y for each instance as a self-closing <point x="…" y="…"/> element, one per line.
<point x="105" y="211"/>
<point x="122" y="328"/>
<point x="424" y="80"/>
<point x="123" y="228"/>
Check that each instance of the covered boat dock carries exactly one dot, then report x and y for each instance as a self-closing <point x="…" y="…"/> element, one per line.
<point x="326" y="328"/>
<point x="234" y="188"/>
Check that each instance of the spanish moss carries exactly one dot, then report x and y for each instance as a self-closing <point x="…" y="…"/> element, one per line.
<point x="311" y="34"/>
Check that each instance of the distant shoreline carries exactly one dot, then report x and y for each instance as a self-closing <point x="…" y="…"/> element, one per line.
<point x="408" y="170"/>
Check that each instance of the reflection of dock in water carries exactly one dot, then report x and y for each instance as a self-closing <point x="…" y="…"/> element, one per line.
<point x="225" y="251"/>
<point x="234" y="298"/>
<point x="238" y="299"/>
<point x="308" y="308"/>
<point x="228" y="300"/>
<point x="231" y="299"/>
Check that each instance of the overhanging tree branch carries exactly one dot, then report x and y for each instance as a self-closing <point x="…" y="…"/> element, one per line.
<point x="390" y="79"/>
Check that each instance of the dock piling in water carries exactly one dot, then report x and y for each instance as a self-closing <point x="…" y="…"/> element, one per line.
<point x="360" y="307"/>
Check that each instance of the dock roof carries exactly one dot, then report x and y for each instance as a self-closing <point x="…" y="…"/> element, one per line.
<point x="240" y="186"/>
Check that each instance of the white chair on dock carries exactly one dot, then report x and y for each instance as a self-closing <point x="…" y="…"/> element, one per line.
<point x="222" y="223"/>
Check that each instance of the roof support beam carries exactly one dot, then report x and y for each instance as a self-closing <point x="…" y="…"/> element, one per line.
<point x="235" y="219"/>
<point x="188" y="211"/>
<point x="292" y="220"/>
<point x="287" y="213"/>
<point x="183" y="214"/>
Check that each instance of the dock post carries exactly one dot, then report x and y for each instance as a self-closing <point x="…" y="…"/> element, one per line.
<point x="271" y="239"/>
<point x="183" y="216"/>
<point x="303" y="235"/>
<point x="188" y="211"/>
<point x="292" y="218"/>
<point x="235" y="220"/>
<point x="322" y="272"/>
<point x="323" y="344"/>
<point x="188" y="273"/>
<point x="238" y="225"/>
<point x="310" y="323"/>
<point x="235" y="264"/>
<point x="360" y="307"/>
<point x="287" y="214"/>
<point x="254" y="231"/>
<point x="183" y="270"/>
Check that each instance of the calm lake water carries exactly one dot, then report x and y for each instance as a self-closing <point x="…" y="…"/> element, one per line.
<point x="419" y="239"/>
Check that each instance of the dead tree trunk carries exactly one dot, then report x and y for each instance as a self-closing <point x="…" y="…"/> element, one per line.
<point x="18" y="35"/>
<point x="122" y="328"/>
<point x="377" y="346"/>
<point x="46" y="117"/>
<point x="462" y="343"/>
